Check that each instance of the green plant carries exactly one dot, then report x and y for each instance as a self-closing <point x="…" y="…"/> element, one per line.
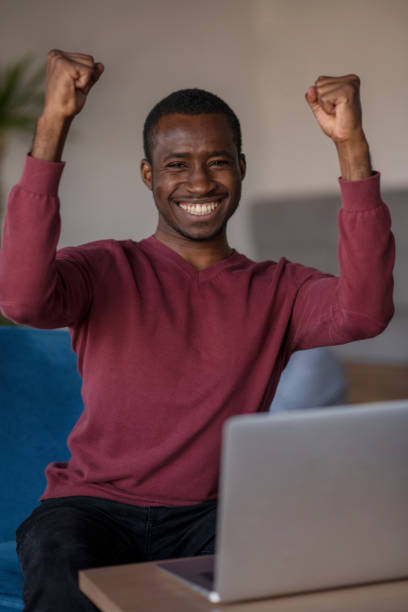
<point x="21" y="99"/>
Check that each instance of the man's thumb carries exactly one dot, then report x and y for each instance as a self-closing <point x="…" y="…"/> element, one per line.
<point x="99" y="68"/>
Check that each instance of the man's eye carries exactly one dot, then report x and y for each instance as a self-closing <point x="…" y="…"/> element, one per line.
<point x="177" y="164"/>
<point x="219" y="162"/>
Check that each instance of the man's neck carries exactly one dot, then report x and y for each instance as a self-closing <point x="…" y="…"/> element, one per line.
<point x="199" y="254"/>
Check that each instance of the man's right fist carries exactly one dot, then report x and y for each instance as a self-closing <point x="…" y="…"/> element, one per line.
<point x="70" y="76"/>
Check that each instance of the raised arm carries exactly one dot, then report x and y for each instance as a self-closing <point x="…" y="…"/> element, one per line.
<point x="330" y="310"/>
<point x="36" y="287"/>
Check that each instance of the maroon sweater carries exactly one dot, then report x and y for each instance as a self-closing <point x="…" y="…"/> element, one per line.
<point x="168" y="353"/>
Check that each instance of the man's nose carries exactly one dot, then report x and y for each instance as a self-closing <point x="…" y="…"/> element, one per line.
<point x="199" y="181"/>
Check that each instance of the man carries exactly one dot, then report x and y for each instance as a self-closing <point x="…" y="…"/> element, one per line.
<point x="177" y="332"/>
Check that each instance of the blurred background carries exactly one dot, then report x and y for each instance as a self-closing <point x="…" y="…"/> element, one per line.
<point x="260" y="56"/>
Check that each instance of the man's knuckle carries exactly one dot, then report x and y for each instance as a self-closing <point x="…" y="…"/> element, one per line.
<point x="53" y="53"/>
<point x="349" y="90"/>
<point x="84" y="59"/>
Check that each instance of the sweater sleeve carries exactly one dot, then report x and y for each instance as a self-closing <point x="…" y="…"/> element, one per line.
<point x="332" y="310"/>
<point x="36" y="287"/>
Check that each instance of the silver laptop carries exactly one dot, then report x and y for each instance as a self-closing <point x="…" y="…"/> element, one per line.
<point x="308" y="501"/>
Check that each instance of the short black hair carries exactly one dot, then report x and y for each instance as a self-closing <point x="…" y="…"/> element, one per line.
<point x="189" y="102"/>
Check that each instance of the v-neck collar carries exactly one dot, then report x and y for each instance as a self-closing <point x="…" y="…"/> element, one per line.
<point x="156" y="247"/>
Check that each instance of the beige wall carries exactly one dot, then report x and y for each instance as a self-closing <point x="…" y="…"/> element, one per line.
<point x="260" y="55"/>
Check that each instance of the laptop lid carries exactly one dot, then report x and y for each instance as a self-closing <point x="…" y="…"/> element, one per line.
<point x="312" y="500"/>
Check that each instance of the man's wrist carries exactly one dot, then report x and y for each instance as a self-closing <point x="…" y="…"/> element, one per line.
<point x="49" y="138"/>
<point x="354" y="158"/>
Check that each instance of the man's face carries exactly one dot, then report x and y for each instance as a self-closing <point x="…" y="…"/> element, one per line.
<point x="195" y="175"/>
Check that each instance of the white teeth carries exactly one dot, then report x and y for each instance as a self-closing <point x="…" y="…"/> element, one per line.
<point x="199" y="209"/>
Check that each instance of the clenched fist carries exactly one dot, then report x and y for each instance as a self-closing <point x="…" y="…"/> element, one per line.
<point x="70" y="76"/>
<point x="335" y="102"/>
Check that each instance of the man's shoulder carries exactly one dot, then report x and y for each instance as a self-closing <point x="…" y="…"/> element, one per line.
<point x="280" y="271"/>
<point x="270" y="267"/>
<point x="101" y="247"/>
<point x="102" y="255"/>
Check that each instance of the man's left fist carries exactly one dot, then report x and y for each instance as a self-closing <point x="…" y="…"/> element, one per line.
<point x="335" y="102"/>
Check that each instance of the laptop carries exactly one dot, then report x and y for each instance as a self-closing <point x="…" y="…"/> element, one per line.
<point x="308" y="501"/>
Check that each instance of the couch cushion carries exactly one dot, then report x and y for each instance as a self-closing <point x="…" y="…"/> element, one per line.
<point x="312" y="378"/>
<point x="10" y="578"/>
<point x="39" y="404"/>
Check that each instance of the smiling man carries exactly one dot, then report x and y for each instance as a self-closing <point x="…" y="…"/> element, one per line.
<point x="174" y="333"/>
<point x="194" y="167"/>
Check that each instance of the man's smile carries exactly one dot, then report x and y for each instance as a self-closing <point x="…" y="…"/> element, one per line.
<point x="202" y="208"/>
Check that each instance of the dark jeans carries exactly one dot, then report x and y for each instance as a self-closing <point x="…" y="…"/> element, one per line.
<point x="65" y="535"/>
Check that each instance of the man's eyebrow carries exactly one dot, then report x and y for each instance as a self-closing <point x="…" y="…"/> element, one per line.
<point x="183" y="155"/>
<point x="180" y="155"/>
<point x="221" y="153"/>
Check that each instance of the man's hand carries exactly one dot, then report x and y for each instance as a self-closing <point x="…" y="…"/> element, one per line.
<point x="335" y="102"/>
<point x="70" y="77"/>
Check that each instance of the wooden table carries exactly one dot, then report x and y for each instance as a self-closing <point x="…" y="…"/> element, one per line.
<point x="374" y="382"/>
<point x="143" y="587"/>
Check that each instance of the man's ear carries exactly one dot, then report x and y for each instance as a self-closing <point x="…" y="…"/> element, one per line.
<point x="242" y="165"/>
<point x="146" y="172"/>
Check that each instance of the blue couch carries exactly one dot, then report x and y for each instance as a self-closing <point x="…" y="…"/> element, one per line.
<point x="40" y="401"/>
